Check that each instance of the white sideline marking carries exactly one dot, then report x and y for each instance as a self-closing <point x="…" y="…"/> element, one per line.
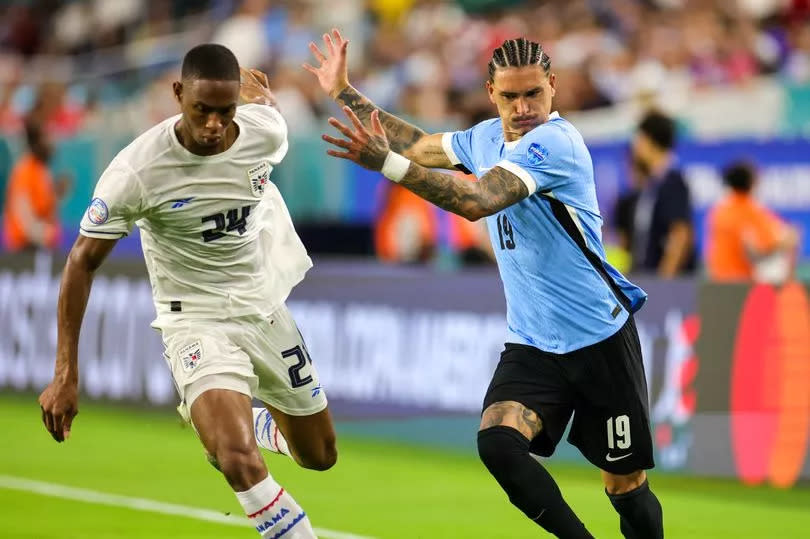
<point x="141" y="504"/>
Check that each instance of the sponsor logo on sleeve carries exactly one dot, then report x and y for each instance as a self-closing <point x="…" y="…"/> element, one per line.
<point x="97" y="211"/>
<point x="259" y="177"/>
<point x="190" y="356"/>
<point x="537" y="153"/>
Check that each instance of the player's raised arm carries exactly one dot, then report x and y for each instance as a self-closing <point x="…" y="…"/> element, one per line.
<point x="60" y="400"/>
<point x="255" y="88"/>
<point x="412" y="142"/>
<point x="497" y="189"/>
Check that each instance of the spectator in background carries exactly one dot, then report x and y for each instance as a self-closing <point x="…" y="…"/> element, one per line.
<point x="745" y="240"/>
<point x="655" y="218"/>
<point x="243" y="33"/>
<point x="31" y="213"/>
<point x="405" y="231"/>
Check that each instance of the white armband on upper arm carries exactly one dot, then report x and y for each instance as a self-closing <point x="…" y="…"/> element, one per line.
<point x="447" y="146"/>
<point x="520" y="172"/>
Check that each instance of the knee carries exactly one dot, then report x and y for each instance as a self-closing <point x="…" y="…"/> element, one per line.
<point x="499" y="446"/>
<point x="620" y="484"/>
<point x="242" y="467"/>
<point x="320" y="457"/>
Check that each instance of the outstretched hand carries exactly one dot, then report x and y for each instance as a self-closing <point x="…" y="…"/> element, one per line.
<point x="366" y="148"/>
<point x="254" y="87"/>
<point x="332" y="73"/>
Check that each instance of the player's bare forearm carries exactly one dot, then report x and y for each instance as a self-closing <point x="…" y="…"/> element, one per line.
<point x="368" y="146"/>
<point x="403" y="137"/>
<point x="332" y="74"/>
<point x="84" y="258"/>
<point x="496" y="190"/>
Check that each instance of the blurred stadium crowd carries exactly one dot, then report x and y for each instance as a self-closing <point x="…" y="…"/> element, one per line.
<point x="103" y="68"/>
<point x="424" y="58"/>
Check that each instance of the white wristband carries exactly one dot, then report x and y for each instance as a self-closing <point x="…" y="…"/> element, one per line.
<point x="395" y="166"/>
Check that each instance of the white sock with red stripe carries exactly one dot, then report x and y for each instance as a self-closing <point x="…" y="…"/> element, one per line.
<point x="274" y="513"/>
<point x="267" y="433"/>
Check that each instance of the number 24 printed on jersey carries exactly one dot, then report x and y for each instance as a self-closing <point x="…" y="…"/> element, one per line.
<point x="234" y="222"/>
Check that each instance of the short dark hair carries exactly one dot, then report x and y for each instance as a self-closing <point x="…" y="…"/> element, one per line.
<point x="739" y="175"/>
<point x="518" y="53"/>
<point x="210" y="61"/>
<point x="659" y="128"/>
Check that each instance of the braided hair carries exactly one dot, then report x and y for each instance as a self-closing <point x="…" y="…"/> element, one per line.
<point x="518" y="53"/>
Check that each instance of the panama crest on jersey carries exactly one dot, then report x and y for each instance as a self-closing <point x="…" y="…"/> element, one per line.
<point x="259" y="177"/>
<point x="190" y="356"/>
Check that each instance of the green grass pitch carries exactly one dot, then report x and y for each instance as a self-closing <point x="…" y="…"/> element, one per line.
<point x="381" y="490"/>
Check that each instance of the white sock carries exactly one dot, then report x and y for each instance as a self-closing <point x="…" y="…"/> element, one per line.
<point x="274" y="513"/>
<point x="267" y="434"/>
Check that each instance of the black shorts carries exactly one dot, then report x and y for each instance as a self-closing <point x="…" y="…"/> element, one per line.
<point x="603" y="385"/>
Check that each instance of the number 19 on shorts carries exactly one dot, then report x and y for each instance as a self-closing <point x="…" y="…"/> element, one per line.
<point x="618" y="432"/>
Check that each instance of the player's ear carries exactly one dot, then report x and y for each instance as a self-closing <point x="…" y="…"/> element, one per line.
<point x="177" y="88"/>
<point x="490" y="92"/>
<point x="552" y="81"/>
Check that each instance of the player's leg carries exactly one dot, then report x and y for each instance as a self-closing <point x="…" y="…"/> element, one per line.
<point x="611" y="427"/>
<point x="268" y="435"/>
<point x="509" y="428"/>
<point x="223" y="420"/>
<point x="296" y="420"/>
<point x="215" y="379"/>
<point x="640" y="513"/>
<point x="310" y="438"/>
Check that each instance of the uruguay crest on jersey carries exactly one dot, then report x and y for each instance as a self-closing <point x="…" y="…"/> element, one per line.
<point x="259" y="176"/>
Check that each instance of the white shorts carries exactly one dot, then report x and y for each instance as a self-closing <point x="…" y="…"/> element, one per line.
<point x="262" y="357"/>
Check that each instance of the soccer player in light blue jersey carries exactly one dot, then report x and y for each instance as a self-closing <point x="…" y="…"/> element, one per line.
<point x="573" y="347"/>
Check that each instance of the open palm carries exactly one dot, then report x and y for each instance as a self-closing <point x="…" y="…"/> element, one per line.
<point x="332" y="74"/>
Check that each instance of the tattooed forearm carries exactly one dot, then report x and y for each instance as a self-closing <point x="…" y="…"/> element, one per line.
<point x="401" y="135"/>
<point x="496" y="190"/>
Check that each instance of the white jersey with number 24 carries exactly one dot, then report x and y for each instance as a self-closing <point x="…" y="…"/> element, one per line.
<point x="216" y="235"/>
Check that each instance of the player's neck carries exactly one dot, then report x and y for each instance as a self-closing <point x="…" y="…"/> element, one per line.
<point x="187" y="141"/>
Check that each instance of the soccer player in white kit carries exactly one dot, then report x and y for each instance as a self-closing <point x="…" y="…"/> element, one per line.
<point x="222" y="256"/>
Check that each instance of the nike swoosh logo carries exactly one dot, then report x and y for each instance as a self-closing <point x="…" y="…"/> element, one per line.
<point x="484" y="169"/>
<point x="614" y="459"/>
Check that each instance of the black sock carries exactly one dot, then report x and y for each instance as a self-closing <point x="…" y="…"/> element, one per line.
<point x="530" y="488"/>
<point x="641" y="516"/>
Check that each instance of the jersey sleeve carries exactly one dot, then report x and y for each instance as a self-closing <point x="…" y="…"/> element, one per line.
<point x="458" y="146"/>
<point x="543" y="159"/>
<point x="117" y="203"/>
<point x="271" y="123"/>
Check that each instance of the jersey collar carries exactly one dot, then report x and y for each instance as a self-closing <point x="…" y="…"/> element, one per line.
<point x="510" y="145"/>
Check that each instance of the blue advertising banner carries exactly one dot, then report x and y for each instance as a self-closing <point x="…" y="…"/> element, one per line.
<point x="784" y="167"/>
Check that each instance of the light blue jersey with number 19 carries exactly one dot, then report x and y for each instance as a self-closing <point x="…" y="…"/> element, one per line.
<point x="561" y="294"/>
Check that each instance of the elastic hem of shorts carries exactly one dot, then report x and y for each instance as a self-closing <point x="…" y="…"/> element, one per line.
<point x="294" y="412"/>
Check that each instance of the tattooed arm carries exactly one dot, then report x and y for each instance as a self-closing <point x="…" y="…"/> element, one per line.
<point x="404" y="138"/>
<point x="494" y="191"/>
